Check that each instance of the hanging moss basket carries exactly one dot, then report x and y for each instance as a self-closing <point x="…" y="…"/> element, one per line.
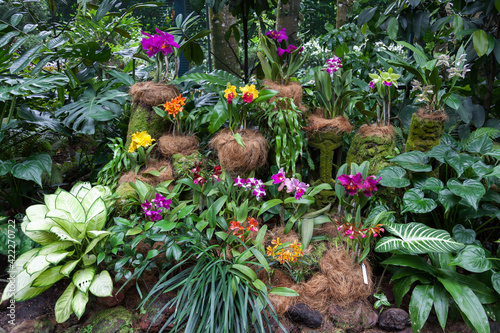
<point x="426" y="130"/>
<point x="372" y="143"/>
<point x="291" y="90"/>
<point x="326" y="135"/>
<point x="145" y="95"/>
<point x="234" y="158"/>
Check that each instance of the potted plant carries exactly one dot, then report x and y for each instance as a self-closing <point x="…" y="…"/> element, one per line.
<point x="427" y="124"/>
<point x="327" y="125"/>
<point x="375" y="142"/>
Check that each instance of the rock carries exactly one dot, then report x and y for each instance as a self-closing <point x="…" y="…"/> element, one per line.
<point x="406" y="330"/>
<point x="393" y="319"/>
<point x="353" y="318"/>
<point x="147" y="320"/>
<point x="115" y="320"/>
<point x="302" y="314"/>
<point x="494" y="327"/>
<point x="39" y="325"/>
<point x="112" y="301"/>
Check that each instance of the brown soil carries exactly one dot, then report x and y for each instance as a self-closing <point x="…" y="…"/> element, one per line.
<point x="152" y="94"/>
<point x="374" y="130"/>
<point x="316" y="123"/>
<point x="169" y="144"/>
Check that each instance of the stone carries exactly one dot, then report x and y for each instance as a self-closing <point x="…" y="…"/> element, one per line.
<point x="302" y="314"/>
<point x="356" y="317"/>
<point x="148" y="321"/>
<point x="39" y="325"/>
<point x="393" y="319"/>
<point x="115" y="320"/>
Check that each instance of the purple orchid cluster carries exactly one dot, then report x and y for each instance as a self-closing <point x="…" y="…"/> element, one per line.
<point x="256" y="185"/>
<point x="280" y="36"/>
<point x="292" y="184"/>
<point x="355" y="183"/>
<point x="160" y="42"/>
<point x="333" y="64"/>
<point x="153" y="209"/>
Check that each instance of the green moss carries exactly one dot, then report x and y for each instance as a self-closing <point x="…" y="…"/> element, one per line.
<point x="124" y="192"/>
<point x="374" y="149"/>
<point x="115" y="320"/>
<point x="424" y="133"/>
<point x="143" y="119"/>
<point x="183" y="165"/>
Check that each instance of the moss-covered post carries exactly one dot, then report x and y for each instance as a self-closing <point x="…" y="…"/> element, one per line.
<point x="326" y="143"/>
<point x="425" y="132"/>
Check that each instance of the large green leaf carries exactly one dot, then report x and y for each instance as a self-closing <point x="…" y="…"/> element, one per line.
<point x="37" y="264"/>
<point x="481" y="145"/>
<point x="79" y="303"/>
<point x="282" y="291"/>
<point x="433" y="184"/>
<point x="485" y="294"/>
<point x="25" y="59"/>
<point x="471" y="190"/>
<point x="63" y="307"/>
<point x="410" y="260"/>
<point x="69" y="203"/>
<point x="414" y="201"/>
<point x="413" y="161"/>
<point x="420" y="305"/>
<point x="97" y="215"/>
<point x="102" y="285"/>
<point x="448" y="199"/>
<point x="460" y="162"/>
<point x="28" y="170"/>
<point x="64" y="220"/>
<point x="468" y="303"/>
<point x="439" y="152"/>
<point x="393" y="176"/>
<point x="37" y="85"/>
<point x="418" y="238"/>
<point x="472" y="258"/>
<point x="495" y="281"/>
<point x="441" y="305"/>
<point x="463" y="235"/>
<point x="41" y="119"/>
<point x="403" y="285"/>
<point x="480" y="42"/>
<point x="48" y="278"/>
<point x="82" y="279"/>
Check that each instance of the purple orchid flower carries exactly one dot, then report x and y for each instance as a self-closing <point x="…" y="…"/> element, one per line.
<point x="370" y="185"/>
<point x="352" y="183"/>
<point x="239" y="181"/>
<point x="160" y="201"/>
<point x="279" y="177"/>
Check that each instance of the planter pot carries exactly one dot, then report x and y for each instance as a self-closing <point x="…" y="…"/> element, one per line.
<point x="372" y="143"/>
<point x="426" y="130"/>
<point x="145" y="95"/>
<point x="170" y="145"/>
<point x="326" y="135"/>
<point x="238" y="160"/>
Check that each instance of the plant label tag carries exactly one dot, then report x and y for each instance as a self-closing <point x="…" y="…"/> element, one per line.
<point x="365" y="276"/>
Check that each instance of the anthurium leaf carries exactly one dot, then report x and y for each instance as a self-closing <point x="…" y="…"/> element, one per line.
<point x="440" y="298"/>
<point x="102" y="285"/>
<point x="433" y="184"/>
<point x="82" y="279"/>
<point x="419" y="238"/>
<point x="439" y="152"/>
<point x="462" y="235"/>
<point x="282" y="291"/>
<point x="448" y="199"/>
<point x="495" y="281"/>
<point x="393" y="176"/>
<point x="481" y="169"/>
<point x="413" y="161"/>
<point x="472" y="258"/>
<point x="89" y="259"/>
<point x="63" y="305"/>
<point x="414" y="201"/>
<point x="28" y="170"/>
<point x="468" y="303"/>
<point x="481" y="145"/>
<point x="420" y="305"/>
<point x="5" y="167"/>
<point x="471" y="190"/>
<point x="460" y="162"/>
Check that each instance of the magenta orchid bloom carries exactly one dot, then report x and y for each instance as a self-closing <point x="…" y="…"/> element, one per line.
<point x="146" y="205"/>
<point x="259" y="192"/>
<point x="300" y="190"/>
<point x="372" y="84"/>
<point x="352" y="183"/>
<point x="153" y="215"/>
<point x="166" y="42"/>
<point x="370" y="185"/>
<point x="279" y="177"/>
<point x="333" y="64"/>
<point x="239" y="181"/>
<point x="388" y="83"/>
<point x="149" y="45"/>
<point x="281" y="36"/>
<point x="291" y="48"/>
<point x="280" y="51"/>
<point x="291" y="184"/>
<point x="160" y="201"/>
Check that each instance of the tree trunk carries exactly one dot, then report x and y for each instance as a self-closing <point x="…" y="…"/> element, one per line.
<point x="341" y="13"/>
<point x="288" y="18"/>
<point x="225" y="51"/>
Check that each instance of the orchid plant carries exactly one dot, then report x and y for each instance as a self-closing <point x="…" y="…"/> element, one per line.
<point x="173" y="111"/>
<point x="359" y="187"/>
<point x="431" y="74"/>
<point x="278" y="59"/>
<point x="160" y="46"/>
<point x="137" y="154"/>
<point x="384" y="83"/>
<point x="333" y="88"/>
